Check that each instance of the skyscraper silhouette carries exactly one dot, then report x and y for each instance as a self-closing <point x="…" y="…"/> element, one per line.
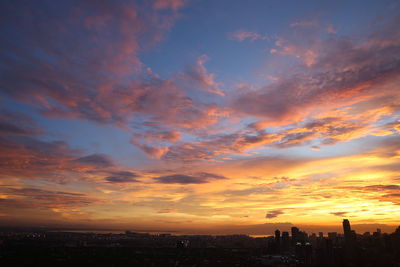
<point x="295" y="235"/>
<point x="346" y="229"/>
<point x="277" y="236"/>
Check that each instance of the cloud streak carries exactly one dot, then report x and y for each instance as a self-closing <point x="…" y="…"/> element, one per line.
<point x="198" y="178"/>
<point x="242" y="35"/>
<point x="273" y="214"/>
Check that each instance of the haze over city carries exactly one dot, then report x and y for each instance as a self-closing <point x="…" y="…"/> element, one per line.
<point x="200" y="117"/>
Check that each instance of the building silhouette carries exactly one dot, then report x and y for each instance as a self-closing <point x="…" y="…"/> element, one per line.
<point x="277" y="236"/>
<point x="295" y="235"/>
<point x="346" y="229"/>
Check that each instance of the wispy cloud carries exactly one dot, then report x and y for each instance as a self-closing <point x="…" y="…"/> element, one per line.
<point x="242" y="35"/>
<point x="339" y="213"/>
<point x="198" y="178"/>
<point x="200" y="74"/>
<point x="122" y="177"/>
<point x="273" y="214"/>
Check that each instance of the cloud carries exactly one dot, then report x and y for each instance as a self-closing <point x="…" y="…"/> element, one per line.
<point x="249" y="191"/>
<point x="155" y="152"/>
<point x="334" y="96"/>
<point x="200" y="74"/>
<point x="24" y="155"/>
<point x="325" y="131"/>
<point x="13" y="129"/>
<point x="85" y="59"/>
<point x="341" y="72"/>
<point x="273" y="186"/>
<point x="16" y="123"/>
<point x="170" y="136"/>
<point x="394" y="126"/>
<point x="198" y="178"/>
<point x="292" y="139"/>
<point x="84" y="63"/>
<point x="96" y="160"/>
<point x="273" y="214"/>
<point x="89" y="68"/>
<point x="383" y="187"/>
<point x="374" y="188"/>
<point x="210" y="176"/>
<point x="122" y="177"/>
<point x="45" y="198"/>
<point x="381" y="192"/>
<point x="187" y="152"/>
<point x="166" y="211"/>
<point x="103" y="80"/>
<point x="214" y="145"/>
<point x="29" y="157"/>
<point x="242" y="35"/>
<point x="339" y="213"/>
<point x="307" y="54"/>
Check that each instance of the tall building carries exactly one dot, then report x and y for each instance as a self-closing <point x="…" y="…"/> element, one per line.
<point x="295" y="235"/>
<point x="285" y="241"/>
<point x="277" y="241"/>
<point x="346" y="229"/>
<point x="277" y="236"/>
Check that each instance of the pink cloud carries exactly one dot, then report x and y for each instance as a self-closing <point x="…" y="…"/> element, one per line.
<point x="308" y="54"/>
<point x="200" y="74"/>
<point x="170" y="136"/>
<point x="92" y="56"/>
<point x="23" y="155"/>
<point x="152" y="151"/>
<point x="344" y="72"/>
<point x="242" y="35"/>
<point x="103" y="80"/>
<point x="315" y="132"/>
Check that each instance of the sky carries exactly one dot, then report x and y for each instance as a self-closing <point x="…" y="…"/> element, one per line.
<point x="200" y="116"/>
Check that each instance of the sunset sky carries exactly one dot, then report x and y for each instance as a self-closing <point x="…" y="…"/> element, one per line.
<point x="200" y="116"/>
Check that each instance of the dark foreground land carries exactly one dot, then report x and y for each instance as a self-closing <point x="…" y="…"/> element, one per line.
<point x="101" y="256"/>
<point x="134" y="249"/>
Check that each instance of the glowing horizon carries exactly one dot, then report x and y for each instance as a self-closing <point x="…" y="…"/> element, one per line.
<point x="200" y="115"/>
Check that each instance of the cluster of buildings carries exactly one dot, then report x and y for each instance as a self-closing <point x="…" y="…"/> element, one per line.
<point x="287" y="248"/>
<point x="347" y="249"/>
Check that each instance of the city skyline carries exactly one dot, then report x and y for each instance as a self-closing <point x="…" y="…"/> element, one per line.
<point x="28" y="246"/>
<point x="200" y="116"/>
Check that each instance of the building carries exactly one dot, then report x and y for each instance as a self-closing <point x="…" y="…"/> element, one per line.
<point x="285" y="241"/>
<point x="347" y="230"/>
<point x="277" y="236"/>
<point x="295" y="235"/>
